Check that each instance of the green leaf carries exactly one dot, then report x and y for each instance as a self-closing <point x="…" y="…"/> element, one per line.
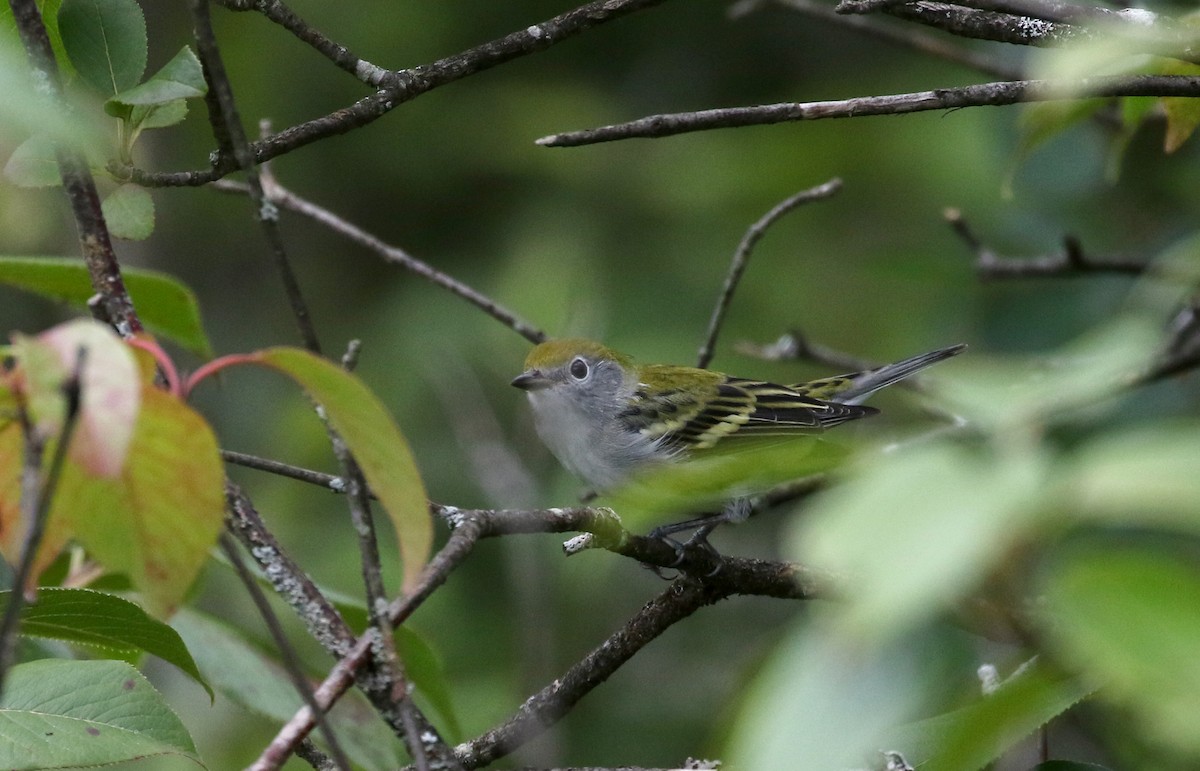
<point x="975" y="735"/>
<point x="180" y="78"/>
<point x="26" y="112"/>
<point x="166" y="306"/>
<point x="247" y="676"/>
<point x="33" y="164"/>
<point x="913" y="532"/>
<point x="378" y="446"/>
<point x="105" y="622"/>
<point x="159" y="520"/>
<point x="1145" y="475"/>
<point x="823" y="701"/>
<point x="69" y="714"/>
<point x="1183" y="115"/>
<point x="1130" y="618"/>
<point x="158" y="115"/>
<point x="129" y="212"/>
<point x="155" y="522"/>
<point x="106" y="41"/>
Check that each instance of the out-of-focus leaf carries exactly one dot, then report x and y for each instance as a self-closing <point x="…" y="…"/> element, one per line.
<point x="911" y="533"/>
<point x="165" y="306"/>
<point x="1001" y="395"/>
<point x="103" y="622"/>
<point x="1183" y="115"/>
<point x="706" y="481"/>
<point x="180" y="78"/>
<point x="33" y="164"/>
<point x="106" y="41"/>
<point x="247" y="676"/>
<point x="49" y="8"/>
<point x="1130" y="619"/>
<point x="110" y="393"/>
<point x="1042" y="121"/>
<point x="26" y="112"/>
<point x="129" y="212"/>
<point x="378" y="446"/>
<point x="822" y="701"/>
<point x="75" y="714"/>
<point x="975" y="735"/>
<point x="1145" y="475"/>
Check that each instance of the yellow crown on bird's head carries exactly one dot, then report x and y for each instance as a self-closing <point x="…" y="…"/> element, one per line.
<point x="556" y="353"/>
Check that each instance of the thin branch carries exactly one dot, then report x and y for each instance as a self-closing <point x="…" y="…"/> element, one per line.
<point x="901" y="35"/>
<point x="741" y="258"/>
<point x="285" y="198"/>
<point x="794" y="346"/>
<point x="227" y="127"/>
<point x="287" y="653"/>
<point x="736" y="576"/>
<point x="1072" y="261"/>
<point x="405" y="86"/>
<point x="333" y="482"/>
<point x="94" y="240"/>
<point x="682" y="598"/>
<point x="1065" y="13"/>
<point x="340" y="55"/>
<point x="37" y="492"/>
<point x="321" y="618"/>
<point x="982" y="25"/>
<point x="420" y="739"/>
<point x="980" y="95"/>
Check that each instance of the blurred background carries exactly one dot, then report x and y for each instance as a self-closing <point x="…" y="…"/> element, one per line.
<point x="626" y="242"/>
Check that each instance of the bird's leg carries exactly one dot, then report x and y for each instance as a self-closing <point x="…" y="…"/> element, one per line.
<point x="703" y="526"/>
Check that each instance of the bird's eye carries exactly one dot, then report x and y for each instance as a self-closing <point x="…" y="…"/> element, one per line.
<point x="579" y="369"/>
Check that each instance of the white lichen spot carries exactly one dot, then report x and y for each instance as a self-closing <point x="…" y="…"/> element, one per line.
<point x="453" y="516"/>
<point x="535" y="32"/>
<point x="368" y="73"/>
<point x="1138" y="16"/>
<point x="989" y="678"/>
<point x="268" y="212"/>
<point x="428" y="737"/>
<point x="337" y="484"/>
<point x="581" y="542"/>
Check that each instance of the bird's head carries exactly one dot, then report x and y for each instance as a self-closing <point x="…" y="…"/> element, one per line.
<point x="574" y="366"/>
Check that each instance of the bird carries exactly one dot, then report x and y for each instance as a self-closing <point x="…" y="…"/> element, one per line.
<point x="607" y="418"/>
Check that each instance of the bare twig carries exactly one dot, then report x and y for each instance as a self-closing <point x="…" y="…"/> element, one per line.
<point x="227" y="127"/>
<point x="287" y="653"/>
<point x="794" y="346"/>
<point x="37" y="492"/>
<point x="983" y="25"/>
<point x="286" y="199"/>
<point x="902" y="35"/>
<point x="340" y="55"/>
<point x="984" y="94"/>
<point x="94" y="240"/>
<point x="1072" y="261"/>
<point x="407" y="85"/>
<point x="741" y="258"/>
<point x="333" y="482"/>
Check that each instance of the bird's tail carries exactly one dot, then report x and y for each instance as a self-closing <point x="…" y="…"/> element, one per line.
<point x="855" y="387"/>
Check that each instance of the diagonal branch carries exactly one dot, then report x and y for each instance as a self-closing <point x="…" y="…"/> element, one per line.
<point x="741" y="258"/>
<point x="980" y="95"/>
<point x="405" y="86"/>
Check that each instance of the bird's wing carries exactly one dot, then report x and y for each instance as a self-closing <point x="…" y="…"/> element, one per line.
<point x="728" y="408"/>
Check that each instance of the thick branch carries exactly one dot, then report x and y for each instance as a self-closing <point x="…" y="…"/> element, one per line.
<point x="984" y="94"/>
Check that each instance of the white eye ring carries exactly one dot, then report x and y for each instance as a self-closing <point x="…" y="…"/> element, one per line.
<point x="579" y="368"/>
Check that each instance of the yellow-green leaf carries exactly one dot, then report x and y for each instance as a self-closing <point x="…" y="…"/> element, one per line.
<point x="375" y="439"/>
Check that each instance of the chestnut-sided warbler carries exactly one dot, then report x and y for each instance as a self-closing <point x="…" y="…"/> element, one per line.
<point x="605" y="417"/>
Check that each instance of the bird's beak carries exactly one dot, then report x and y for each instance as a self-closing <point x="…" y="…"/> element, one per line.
<point x="531" y="380"/>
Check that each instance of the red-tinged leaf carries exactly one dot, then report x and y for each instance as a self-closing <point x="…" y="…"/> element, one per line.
<point x="159" y="520"/>
<point x="12" y="526"/>
<point x="155" y="522"/>
<point x="110" y="393"/>
<point x="377" y="444"/>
